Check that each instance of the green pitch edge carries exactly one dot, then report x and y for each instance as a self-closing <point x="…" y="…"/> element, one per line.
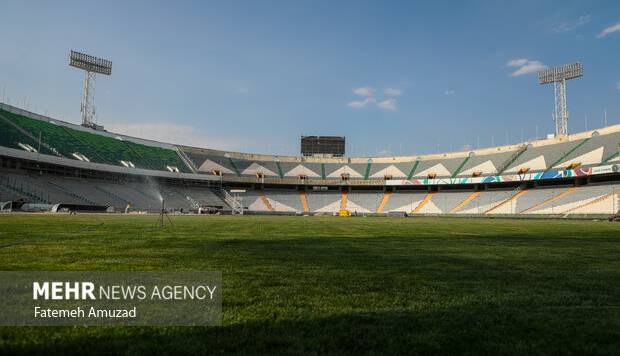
<point x="513" y="160"/>
<point x="322" y="170"/>
<point x="460" y="167"/>
<point x="232" y="163"/>
<point x="567" y="154"/>
<point x="279" y="169"/>
<point x="412" y="171"/>
<point x="367" y="173"/>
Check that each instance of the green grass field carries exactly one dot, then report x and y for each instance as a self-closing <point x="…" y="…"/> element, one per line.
<point x="323" y="285"/>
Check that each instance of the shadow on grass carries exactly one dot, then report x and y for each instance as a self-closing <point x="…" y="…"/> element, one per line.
<point x="468" y="329"/>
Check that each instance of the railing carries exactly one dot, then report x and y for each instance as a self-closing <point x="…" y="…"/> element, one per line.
<point x="193" y="202"/>
<point x="188" y="162"/>
<point x="235" y="203"/>
<point x="298" y="181"/>
<point x="512" y="159"/>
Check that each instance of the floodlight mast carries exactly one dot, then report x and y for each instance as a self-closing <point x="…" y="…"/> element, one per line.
<point x="90" y="65"/>
<point x="558" y="76"/>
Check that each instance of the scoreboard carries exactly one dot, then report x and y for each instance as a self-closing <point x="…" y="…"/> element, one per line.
<point x="322" y="146"/>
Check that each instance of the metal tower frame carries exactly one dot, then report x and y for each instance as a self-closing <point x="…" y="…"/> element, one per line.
<point x="87" y="108"/>
<point x="558" y="76"/>
<point x="91" y="66"/>
<point x="560" y="115"/>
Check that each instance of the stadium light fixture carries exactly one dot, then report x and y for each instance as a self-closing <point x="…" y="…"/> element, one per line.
<point x="91" y="66"/>
<point x="558" y="76"/>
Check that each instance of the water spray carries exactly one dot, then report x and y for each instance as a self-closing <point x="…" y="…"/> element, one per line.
<point x="162" y="213"/>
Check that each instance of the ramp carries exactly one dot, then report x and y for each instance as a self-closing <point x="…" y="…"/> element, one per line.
<point x="264" y="199"/>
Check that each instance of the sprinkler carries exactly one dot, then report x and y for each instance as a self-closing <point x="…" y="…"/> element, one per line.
<point x="162" y="213"/>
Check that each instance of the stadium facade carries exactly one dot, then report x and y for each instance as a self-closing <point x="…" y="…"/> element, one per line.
<point x="46" y="162"/>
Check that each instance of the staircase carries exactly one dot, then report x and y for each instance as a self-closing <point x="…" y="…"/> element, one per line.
<point x="517" y="193"/>
<point x="280" y="172"/>
<point x="188" y="162"/>
<point x="611" y="156"/>
<point x="511" y="160"/>
<point x="460" y="167"/>
<point x="427" y="198"/>
<point x="413" y="169"/>
<point x="195" y="204"/>
<point x="548" y="201"/>
<point x="304" y="201"/>
<point x="232" y="163"/>
<point x="264" y="199"/>
<point x="367" y="171"/>
<point x="384" y="201"/>
<point x="343" y="200"/>
<point x="235" y="204"/>
<point x="567" y="154"/>
<point x="597" y="200"/>
<point x="464" y="203"/>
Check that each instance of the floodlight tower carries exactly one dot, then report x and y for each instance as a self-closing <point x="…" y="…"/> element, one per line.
<point x="90" y="65"/>
<point x="558" y="76"/>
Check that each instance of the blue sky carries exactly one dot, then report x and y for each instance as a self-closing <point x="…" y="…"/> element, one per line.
<point x="394" y="77"/>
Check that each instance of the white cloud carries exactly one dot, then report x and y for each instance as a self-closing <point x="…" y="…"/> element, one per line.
<point x="358" y="104"/>
<point x="609" y="30"/>
<point x="525" y="66"/>
<point x="570" y="26"/>
<point x="517" y="62"/>
<point x="449" y="92"/>
<point x="387" y="104"/>
<point x="584" y="19"/>
<point x="173" y="133"/>
<point x="393" y="92"/>
<point x="364" y="91"/>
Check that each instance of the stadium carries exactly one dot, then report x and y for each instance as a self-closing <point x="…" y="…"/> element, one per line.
<point x="55" y="165"/>
<point x="501" y="249"/>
